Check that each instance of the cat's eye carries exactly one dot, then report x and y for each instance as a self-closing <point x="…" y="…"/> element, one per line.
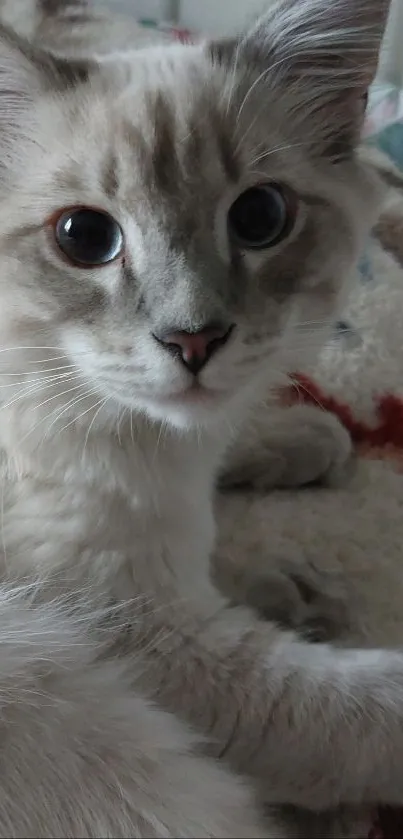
<point x="261" y="217"/>
<point x="88" y="237"/>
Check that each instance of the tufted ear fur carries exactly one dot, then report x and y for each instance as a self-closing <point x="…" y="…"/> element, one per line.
<point x="319" y="56"/>
<point x="26" y="73"/>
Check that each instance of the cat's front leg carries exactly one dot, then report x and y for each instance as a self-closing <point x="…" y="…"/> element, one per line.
<point x="316" y="725"/>
<point x="288" y="447"/>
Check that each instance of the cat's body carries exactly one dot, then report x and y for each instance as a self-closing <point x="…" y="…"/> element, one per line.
<point x="111" y="445"/>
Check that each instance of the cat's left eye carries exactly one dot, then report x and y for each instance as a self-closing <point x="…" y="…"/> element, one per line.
<point x="261" y="217"/>
<point x="88" y="237"/>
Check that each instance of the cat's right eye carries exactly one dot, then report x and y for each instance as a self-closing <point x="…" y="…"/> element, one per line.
<point x="88" y="237"/>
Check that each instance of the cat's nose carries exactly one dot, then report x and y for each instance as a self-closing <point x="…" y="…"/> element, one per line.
<point x="195" y="348"/>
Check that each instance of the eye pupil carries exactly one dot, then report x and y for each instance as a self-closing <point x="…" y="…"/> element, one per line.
<point x="88" y="237"/>
<point x="259" y="218"/>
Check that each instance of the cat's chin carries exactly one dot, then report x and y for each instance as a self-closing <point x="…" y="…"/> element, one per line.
<point x="190" y="409"/>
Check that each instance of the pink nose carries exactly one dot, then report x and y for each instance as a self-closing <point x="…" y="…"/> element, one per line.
<point x="195" y="348"/>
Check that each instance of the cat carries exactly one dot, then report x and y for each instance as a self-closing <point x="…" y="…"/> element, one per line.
<point x="171" y="221"/>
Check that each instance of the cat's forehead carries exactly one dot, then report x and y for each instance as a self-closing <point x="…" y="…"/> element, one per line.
<point x="156" y="125"/>
<point x="161" y="131"/>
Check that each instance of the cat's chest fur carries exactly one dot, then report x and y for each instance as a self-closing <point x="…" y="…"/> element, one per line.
<point x="118" y="518"/>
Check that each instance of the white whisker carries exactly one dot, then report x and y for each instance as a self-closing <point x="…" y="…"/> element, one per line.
<point x="56" y="395"/>
<point x="63" y="355"/>
<point x="80" y="416"/>
<point x="71" y="404"/>
<point x="301" y="388"/>
<point x="49" y="358"/>
<point x="248" y="131"/>
<point x="60" y="377"/>
<point x="228" y="94"/>
<point x="250" y="91"/>
<point x="25" y="391"/>
<point x="101" y="404"/>
<point x="33" y="408"/>
<point x="131" y="426"/>
<point x="17" y="348"/>
<point x="121" y="416"/>
<point x="159" y="438"/>
<point x="43" y="370"/>
<point x="275" y="150"/>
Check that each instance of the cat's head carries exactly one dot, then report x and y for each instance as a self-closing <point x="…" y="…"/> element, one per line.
<point x="179" y="224"/>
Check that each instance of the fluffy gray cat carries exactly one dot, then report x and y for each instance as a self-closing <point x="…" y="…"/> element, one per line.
<point x="172" y="221"/>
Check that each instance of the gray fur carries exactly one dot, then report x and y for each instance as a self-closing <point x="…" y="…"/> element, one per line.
<point x="133" y="697"/>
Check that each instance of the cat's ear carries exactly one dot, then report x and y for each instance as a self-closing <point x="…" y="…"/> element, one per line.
<point x="319" y="55"/>
<point x="25" y="74"/>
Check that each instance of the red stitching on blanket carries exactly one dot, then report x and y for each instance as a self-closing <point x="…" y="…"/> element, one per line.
<point x="389" y="410"/>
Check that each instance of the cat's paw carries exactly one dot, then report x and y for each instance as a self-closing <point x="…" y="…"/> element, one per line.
<point x="306" y="446"/>
<point x="300" y="598"/>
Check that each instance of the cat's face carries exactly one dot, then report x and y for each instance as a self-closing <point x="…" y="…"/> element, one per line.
<point x="180" y="225"/>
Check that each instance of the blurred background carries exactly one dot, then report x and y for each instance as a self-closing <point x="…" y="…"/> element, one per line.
<point x="222" y="16"/>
